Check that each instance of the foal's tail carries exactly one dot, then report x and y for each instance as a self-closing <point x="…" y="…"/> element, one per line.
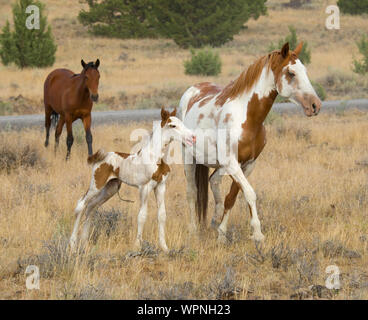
<point x="54" y="118"/>
<point x="201" y="178"/>
<point x="100" y="155"/>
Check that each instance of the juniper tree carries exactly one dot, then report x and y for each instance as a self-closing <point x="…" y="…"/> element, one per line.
<point x="193" y="23"/>
<point x="117" y="18"/>
<point x="27" y="47"/>
<point x="353" y="6"/>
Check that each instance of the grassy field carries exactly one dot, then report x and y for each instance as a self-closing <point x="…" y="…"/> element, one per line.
<point x="148" y="73"/>
<point x="311" y="182"/>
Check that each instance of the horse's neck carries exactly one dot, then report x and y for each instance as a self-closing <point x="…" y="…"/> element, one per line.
<point x="81" y="86"/>
<point x="155" y="149"/>
<point x="259" y="99"/>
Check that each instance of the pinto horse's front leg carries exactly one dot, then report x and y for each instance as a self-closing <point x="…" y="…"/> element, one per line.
<point x="237" y="174"/>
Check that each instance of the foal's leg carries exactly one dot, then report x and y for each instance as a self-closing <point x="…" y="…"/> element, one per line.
<point x="69" y="138"/>
<point x="87" y="127"/>
<point x="58" y="130"/>
<point x="144" y="191"/>
<point x="215" y="182"/>
<point x="110" y="189"/>
<point x="48" y="113"/>
<point x="79" y="210"/>
<point x="237" y="174"/>
<point x="161" y="213"/>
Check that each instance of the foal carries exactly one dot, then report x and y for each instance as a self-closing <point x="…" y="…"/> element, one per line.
<point x="145" y="169"/>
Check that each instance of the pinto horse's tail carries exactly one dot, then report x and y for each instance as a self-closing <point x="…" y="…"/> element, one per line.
<point x="100" y="155"/>
<point x="54" y="118"/>
<point x="201" y="179"/>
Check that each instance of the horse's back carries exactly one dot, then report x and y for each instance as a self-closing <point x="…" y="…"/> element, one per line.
<point x="55" y="84"/>
<point x="197" y="104"/>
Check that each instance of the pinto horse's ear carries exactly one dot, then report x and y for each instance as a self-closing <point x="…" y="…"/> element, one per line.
<point x="97" y="63"/>
<point x="298" y="49"/>
<point x="285" y="50"/>
<point x="83" y="64"/>
<point x="164" y="114"/>
<point x="173" y="114"/>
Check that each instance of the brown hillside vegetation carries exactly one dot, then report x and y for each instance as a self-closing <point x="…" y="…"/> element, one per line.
<point x="147" y="73"/>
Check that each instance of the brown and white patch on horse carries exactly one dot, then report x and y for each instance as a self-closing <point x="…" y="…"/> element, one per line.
<point x="162" y="170"/>
<point x="227" y="118"/>
<point x="122" y="154"/>
<point x="103" y="173"/>
<point x="207" y="91"/>
<point x="253" y="137"/>
<point x="201" y="116"/>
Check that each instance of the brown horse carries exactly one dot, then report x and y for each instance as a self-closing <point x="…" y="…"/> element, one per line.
<point x="71" y="96"/>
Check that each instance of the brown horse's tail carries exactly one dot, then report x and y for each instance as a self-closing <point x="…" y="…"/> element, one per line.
<point x="100" y="155"/>
<point x="201" y="178"/>
<point x="54" y="118"/>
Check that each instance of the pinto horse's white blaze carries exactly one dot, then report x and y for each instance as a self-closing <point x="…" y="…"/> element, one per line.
<point x="239" y="108"/>
<point x="145" y="169"/>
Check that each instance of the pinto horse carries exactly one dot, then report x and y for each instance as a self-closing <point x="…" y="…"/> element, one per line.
<point x="240" y="108"/>
<point x="71" y="96"/>
<point x="145" y="169"/>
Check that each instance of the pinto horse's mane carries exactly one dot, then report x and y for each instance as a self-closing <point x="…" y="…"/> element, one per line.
<point x="247" y="78"/>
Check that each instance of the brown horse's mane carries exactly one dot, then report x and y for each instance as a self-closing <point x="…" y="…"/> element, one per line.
<point x="247" y="78"/>
<point x="88" y="65"/>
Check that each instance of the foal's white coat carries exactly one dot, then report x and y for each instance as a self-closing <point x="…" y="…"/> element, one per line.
<point x="144" y="169"/>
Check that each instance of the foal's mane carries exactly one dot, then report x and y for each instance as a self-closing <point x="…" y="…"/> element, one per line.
<point x="247" y="78"/>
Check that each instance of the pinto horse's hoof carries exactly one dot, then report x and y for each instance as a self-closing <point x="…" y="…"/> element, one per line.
<point x="257" y="237"/>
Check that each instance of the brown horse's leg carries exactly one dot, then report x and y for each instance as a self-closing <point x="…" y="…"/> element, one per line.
<point x="87" y="128"/>
<point x="69" y="138"/>
<point x="48" y="113"/>
<point x="58" y="130"/>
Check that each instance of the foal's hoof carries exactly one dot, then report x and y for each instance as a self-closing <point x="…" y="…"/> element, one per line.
<point x="164" y="248"/>
<point x="46" y="144"/>
<point x="137" y="245"/>
<point x="257" y="237"/>
<point x="193" y="228"/>
<point x="221" y="239"/>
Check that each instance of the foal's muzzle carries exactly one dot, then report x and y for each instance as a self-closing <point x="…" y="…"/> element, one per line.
<point x="94" y="97"/>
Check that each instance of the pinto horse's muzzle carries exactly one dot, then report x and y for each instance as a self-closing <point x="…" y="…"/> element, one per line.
<point x="94" y="97"/>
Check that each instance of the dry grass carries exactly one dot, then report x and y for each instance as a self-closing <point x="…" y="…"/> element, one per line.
<point x="312" y="189"/>
<point x="139" y="73"/>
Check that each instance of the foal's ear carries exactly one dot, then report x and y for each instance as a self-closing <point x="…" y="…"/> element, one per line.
<point x="97" y="63"/>
<point x="299" y="48"/>
<point x="285" y="50"/>
<point x="173" y="114"/>
<point x="164" y="114"/>
<point x="83" y="64"/>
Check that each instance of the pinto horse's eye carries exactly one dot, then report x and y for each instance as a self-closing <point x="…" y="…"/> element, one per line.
<point x="172" y="126"/>
<point x="291" y="74"/>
